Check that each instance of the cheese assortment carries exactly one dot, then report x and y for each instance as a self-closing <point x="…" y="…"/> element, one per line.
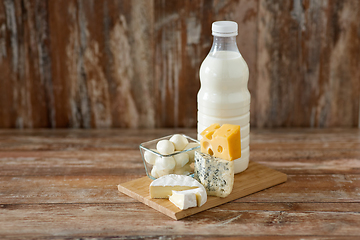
<point x="215" y="174"/>
<point x="171" y="155"/>
<point x="164" y="186"/>
<point x="213" y="166"/>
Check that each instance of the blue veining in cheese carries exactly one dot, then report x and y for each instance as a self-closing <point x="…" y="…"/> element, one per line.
<point x="215" y="174"/>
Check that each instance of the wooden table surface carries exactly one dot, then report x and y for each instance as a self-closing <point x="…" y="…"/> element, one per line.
<point x="61" y="184"/>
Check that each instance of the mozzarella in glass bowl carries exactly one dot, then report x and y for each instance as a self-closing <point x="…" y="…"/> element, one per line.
<point x="173" y="154"/>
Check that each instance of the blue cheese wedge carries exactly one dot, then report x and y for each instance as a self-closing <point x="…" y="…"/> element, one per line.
<point x="164" y="186"/>
<point x="215" y="174"/>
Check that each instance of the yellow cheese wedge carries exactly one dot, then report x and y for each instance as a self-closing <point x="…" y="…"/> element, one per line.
<point x="222" y="142"/>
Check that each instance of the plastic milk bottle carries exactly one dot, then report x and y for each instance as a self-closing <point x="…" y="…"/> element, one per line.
<point x="224" y="96"/>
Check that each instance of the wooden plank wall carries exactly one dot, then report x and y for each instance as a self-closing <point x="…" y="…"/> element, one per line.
<point x="134" y="64"/>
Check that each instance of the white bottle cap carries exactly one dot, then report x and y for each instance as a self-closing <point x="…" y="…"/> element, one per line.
<point x="224" y="28"/>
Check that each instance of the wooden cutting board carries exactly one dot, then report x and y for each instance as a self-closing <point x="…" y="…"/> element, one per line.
<point x="256" y="178"/>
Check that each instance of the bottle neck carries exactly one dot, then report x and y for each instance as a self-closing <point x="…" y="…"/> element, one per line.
<point x="224" y="44"/>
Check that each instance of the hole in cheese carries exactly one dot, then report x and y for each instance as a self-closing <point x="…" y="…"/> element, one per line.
<point x="210" y="151"/>
<point x="210" y="135"/>
<point x="205" y="144"/>
<point x="220" y="149"/>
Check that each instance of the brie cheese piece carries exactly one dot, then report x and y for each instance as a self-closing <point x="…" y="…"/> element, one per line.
<point x="184" y="199"/>
<point x="163" y="186"/>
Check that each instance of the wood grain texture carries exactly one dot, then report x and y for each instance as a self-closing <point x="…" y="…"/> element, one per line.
<point x="228" y="221"/>
<point x="103" y="69"/>
<point x="62" y="184"/>
<point x="135" y="64"/>
<point x="305" y="50"/>
<point x="25" y="80"/>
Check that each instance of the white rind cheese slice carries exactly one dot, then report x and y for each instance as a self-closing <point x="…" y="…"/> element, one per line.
<point x="215" y="174"/>
<point x="184" y="199"/>
<point x="163" y="186"/>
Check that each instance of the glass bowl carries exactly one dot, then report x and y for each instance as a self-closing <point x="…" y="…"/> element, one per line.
<point x="152" y="158"/>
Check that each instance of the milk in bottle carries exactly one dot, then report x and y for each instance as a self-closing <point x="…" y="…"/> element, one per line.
<point x="223" y="96"/>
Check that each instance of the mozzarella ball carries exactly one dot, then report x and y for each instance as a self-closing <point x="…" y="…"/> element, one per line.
<point x="179" y="141"/>
<point x="165" y="163"/>
<point x="165" y="147"/>
<point x="191" y="153"/>
<point x="164" y="172"/>
<point x="154" y="172"/>
<point x="181" y="159"/>
<point x="150" y="157"/>
<point x="185" y="170"/>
